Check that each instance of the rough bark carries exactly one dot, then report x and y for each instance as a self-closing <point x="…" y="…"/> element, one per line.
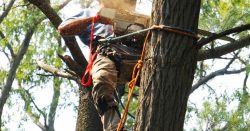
<point x="87" y="114"/>
<point x="169" y="68"/>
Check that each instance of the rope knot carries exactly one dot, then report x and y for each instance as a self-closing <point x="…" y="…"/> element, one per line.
<point x="135" y="75"/>
<point x="131" y="83"/>
<point x="139" y="64"/>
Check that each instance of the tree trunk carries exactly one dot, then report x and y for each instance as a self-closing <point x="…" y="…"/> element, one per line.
<point x="169" y="67"/>
<point x="88" y="118"/>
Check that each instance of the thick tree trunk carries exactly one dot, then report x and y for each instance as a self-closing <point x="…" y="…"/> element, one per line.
<point x="169" y="67"/>
<point x="88" y="118"/>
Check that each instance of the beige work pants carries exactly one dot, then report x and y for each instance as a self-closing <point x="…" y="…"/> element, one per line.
<point x="104" y="76"/>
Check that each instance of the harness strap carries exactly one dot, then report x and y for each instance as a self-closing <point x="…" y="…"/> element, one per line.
<point x="91" y="56"/>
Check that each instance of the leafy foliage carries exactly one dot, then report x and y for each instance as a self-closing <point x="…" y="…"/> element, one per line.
<point x="221" y="111"/>
<point x="30" y="79"/>
<point x="217" y="115"/>
<point x="219" y="15"/>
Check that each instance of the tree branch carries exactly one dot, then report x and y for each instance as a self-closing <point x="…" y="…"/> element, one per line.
<point x="245" y="82"/>
<point x="51" y="14"/>
<point x="204" y="41"/>
<point x="12" y="72"/>
<point x="62" y="74"/>
<point x="63" y="4"/>
<point x="69" y="41"/>
<point x="207" y="33"/>
<point x="216" y="73"/>
<point x="72" y="64"/>
<point x="5" y="13"/>
<point x="45" y="74"/>
<point x="54" y="103"/>
<point x="39" y="110"/>
<point x="6" y="54"/>
<point x="8" y="45"/>
<point x="224" y="49"/>
<point x="57" y="72"/>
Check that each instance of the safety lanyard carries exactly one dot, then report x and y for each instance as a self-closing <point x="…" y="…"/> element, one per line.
<point x="91" y="57"/>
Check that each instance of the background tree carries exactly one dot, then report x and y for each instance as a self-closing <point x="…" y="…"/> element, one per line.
<point x="21" y="49"/>
<point x="223" y="108"/>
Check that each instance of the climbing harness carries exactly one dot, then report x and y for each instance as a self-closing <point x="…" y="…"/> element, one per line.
<point x="108" y="41"/>
<point x="92" y="56"/>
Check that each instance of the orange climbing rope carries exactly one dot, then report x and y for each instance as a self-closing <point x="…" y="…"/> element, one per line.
<point x="131" y="85"/>
<point x="92" y="56"/>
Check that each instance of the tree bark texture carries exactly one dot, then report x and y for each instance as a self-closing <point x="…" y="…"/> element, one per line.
<point x="88" y="118"/>
<point x="169" y="67"/>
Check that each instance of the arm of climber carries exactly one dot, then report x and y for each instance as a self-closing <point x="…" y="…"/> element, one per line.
<point x="74" y="26"/>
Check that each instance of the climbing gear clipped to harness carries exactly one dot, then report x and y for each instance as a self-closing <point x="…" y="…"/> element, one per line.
<point x="92" y="56"/>
<point x="87" y="74"/>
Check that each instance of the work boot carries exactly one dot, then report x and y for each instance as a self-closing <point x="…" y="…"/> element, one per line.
<point x="110" y="119"/>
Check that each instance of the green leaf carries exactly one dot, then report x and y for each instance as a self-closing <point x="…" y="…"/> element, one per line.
<point x="247" y="69"/>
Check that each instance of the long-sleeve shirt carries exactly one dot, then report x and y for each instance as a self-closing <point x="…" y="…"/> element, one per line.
<point x="100" y="30"/>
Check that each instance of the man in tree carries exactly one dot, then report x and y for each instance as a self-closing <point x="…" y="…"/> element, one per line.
<point x="104" y="71"/>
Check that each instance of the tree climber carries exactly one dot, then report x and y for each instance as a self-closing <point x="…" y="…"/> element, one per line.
<point x="104" y="71"/>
